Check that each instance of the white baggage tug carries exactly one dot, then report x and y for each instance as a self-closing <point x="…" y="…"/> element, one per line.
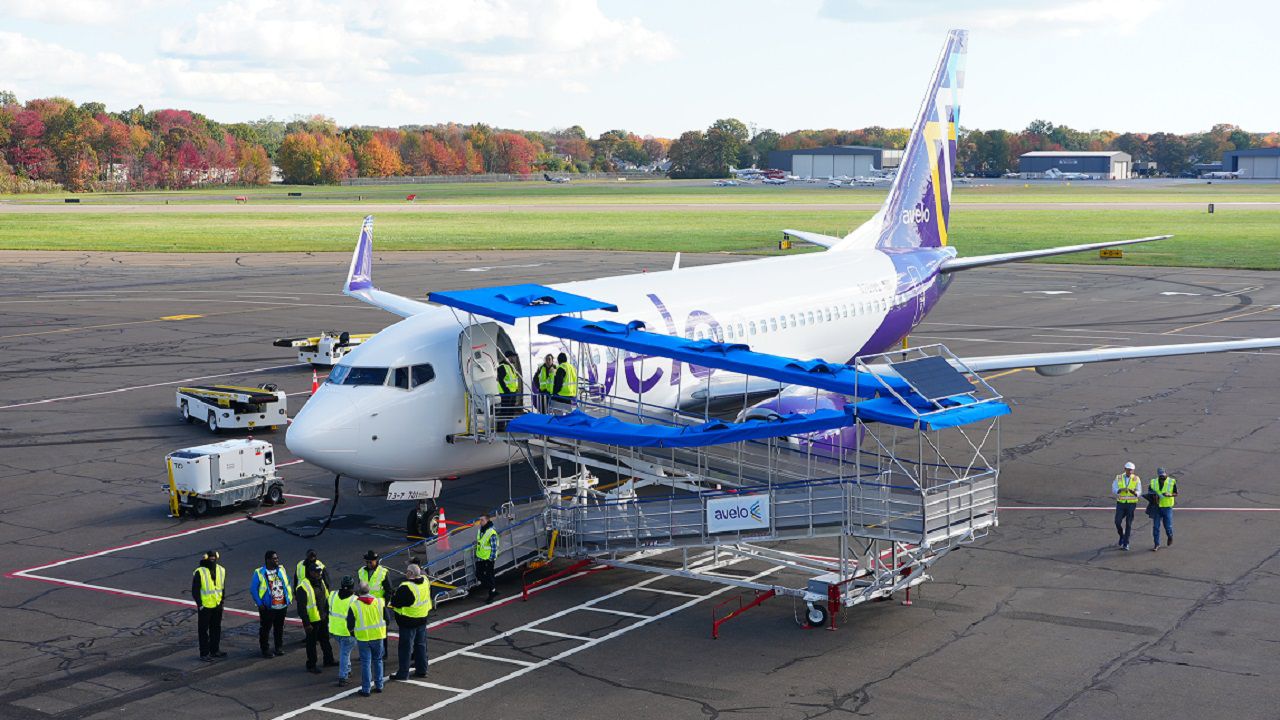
<point x="326" y="349"/>
<point x="231" y="406"/>
<point x="223" y="474"/>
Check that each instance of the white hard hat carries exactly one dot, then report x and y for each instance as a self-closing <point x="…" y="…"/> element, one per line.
<point x="1130" y="466"/>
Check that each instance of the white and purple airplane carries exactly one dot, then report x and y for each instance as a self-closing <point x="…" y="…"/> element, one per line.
<point x="391" y="408"/>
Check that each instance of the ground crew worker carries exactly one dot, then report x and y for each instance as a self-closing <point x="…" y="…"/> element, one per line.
<point x="1165" y="490"/>
<point x="411" y="603"/>
<point x="1126" y="488"/>
<point x="339" y="606"/>
<point x="546" y="380"/>
<point x="376" y="577"/>
<point x="313" y="610"/>
<point x="301" y="572"/>
<point x="367" y="622"/>
<point x="486" y="551"/>
<point x="270" y="591"/>
<point x="508" y="387"/>
<point x="566" y="384"/>
<point x="208" y="584"/>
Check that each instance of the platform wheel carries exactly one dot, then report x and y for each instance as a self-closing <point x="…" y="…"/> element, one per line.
<point x="199" y="507"/>
<point x="213" y="422"/>
<point x="816" y="616"/>
<point x="186" y="413"/>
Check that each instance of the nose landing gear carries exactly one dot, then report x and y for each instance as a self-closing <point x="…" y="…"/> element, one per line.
<point x="423" y="520"/>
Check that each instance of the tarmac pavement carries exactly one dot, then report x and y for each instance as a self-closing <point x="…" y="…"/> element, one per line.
<point x="1044" y="618"/>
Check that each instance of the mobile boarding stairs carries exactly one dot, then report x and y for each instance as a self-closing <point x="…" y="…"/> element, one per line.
<point x="899" y="465"/>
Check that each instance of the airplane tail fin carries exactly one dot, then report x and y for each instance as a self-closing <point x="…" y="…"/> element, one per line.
<point x="918" y="209"/>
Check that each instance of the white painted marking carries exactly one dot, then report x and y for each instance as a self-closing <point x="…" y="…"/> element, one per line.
<point x="1171" y="292"/>
<point x="553" y="633"/>
<point x="1047" y="292"/>
<point x="433" y="686"/>
<point x="481" y="656"/>
<point x="351" y="713"/>
<point x="623" y="613"/>
<point x="677" y="593"/>
<point x="1098" y="337"/>
<point x="144" y="387"/>
<point x="1112" y="509"/>
<point x="1241" y="291"/>
<point x="487" y="268"/>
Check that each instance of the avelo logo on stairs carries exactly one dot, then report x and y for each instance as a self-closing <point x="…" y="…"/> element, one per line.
<point x="749" y="512"/>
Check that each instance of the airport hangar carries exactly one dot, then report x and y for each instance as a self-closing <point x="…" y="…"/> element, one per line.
<point x="834" y="161"/>
<point x="1100" y="165"/>
<point x="1255" y="164"/>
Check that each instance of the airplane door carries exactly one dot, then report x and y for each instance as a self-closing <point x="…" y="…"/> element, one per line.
<point x="480" y="348"/>
<point x="917" y="287"/>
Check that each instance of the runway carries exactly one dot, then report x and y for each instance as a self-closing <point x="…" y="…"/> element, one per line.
<point x="1043" y="619"/>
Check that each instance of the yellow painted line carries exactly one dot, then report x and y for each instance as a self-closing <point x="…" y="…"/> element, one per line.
<point x="1002" y="374"/>
<point x="134" y="322"/>
<point x="181" y="317"/>
<point x="1229" y="317"/>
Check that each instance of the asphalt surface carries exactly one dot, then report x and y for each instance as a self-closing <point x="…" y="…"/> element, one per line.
<point x="1042" y="619"/>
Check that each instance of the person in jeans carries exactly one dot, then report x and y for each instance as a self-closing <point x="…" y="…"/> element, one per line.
<point x="339" y="607"/>
<point x="367" y="623"/>
<point x="1126" y="489"/>
<point x="270" y="591"/>
<point x="411" y="603"/>
<point x="1165" y="490"/>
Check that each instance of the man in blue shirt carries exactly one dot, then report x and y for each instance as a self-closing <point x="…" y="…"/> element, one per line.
<point x="270" y="591"/>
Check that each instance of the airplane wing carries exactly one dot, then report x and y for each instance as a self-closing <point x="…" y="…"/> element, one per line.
<point x="359" y="284"/>
<point x="812" y="237"/>
<point x="1053" y="364"/>
<point x="968" y="263"/>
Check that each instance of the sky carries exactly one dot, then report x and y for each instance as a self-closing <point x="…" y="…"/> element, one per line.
<point x="654" y="67"/>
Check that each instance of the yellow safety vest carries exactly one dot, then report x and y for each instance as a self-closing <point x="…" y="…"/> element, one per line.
<point x="211" y="585"/>
<point x="1128" y="488"/>
<point x="370" y="624"/>
<point x="486" y="544"/>
<point x="546" y="379"/>
<point x="510" y="383"/>
<point x="313" y="610"/>
<point x="302" y="568"/>
<point x="375" y="582"/>
<point x="1170" y="486"/>
<point x="570" y="386"/>
<point x="421" y="600"/>
<point x="264" y="585"/>
<point x="338" y="609"/>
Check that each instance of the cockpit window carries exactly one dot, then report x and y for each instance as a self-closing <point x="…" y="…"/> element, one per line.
<point x="400" y="377"/>
<point x="347" y="375"/>
<point x="423" y="374"/>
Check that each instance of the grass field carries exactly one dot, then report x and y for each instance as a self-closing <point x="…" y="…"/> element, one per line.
<point x="692" y="191"/>
<point x="1240" y="236"/>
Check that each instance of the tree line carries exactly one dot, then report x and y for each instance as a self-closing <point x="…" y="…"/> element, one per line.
<point x="48" y="144"/>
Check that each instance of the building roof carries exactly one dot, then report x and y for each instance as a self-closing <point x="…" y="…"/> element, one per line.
<point x="1255" y="152"/>
<point x="1074" y="153"/>
<point x="835" y="150"/>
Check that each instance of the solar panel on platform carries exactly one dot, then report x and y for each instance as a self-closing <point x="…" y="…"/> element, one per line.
<point x="933" y="377"/>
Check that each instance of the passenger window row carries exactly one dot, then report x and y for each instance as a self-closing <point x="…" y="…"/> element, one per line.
<point x="742" y="329"/>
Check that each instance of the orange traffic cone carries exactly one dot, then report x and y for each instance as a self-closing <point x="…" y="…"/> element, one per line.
<point x="441" y="529"/>
<point x="315" y="381"/>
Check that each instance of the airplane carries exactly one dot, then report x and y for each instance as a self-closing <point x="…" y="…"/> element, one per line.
<point x="747" y="173"/>
<point x="1056" y="174"/>
<point x="1221" y="175"/>
<point x="725" y="183"/>
<point x="556" y="180"/>
<point x="835" y="183"/>
<point x="774" y="181"/>
<point x="391" y="409"/>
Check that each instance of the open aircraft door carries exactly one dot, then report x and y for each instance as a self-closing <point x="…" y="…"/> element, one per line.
<point x="481" y="347"/>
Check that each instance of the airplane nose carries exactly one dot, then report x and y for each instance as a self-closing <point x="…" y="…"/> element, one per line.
<point x="323" y="433"/>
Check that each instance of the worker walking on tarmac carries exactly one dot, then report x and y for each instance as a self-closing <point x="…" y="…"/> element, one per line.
<point x="301" y="572"/>
<point x="375" y="576"/>
<point x="270" y="591"/>
<point x="1165" y="490"/>
<point x="565" y="390"/>
<point x="1126" y="488"/>
<point x="486" y="551"/>
<point x="508" y="388"/>
<point x="368" y="623"/>
<point x="339" y="607"/>
<point x="313" y="610"/>
<point x="411" y="603"/>
<point x="546" y="381"/>
<point x="208" y="583"/>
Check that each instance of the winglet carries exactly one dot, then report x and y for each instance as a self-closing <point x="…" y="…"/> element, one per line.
<point x="360" y="276"/>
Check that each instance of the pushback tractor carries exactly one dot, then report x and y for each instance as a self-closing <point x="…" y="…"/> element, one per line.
<point x="224" y="407"/>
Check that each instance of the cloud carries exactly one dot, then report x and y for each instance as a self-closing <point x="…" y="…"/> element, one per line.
<point x="1062" y="17"/>
<point x="42" y="64"/>
<point x="68" y="12"/>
